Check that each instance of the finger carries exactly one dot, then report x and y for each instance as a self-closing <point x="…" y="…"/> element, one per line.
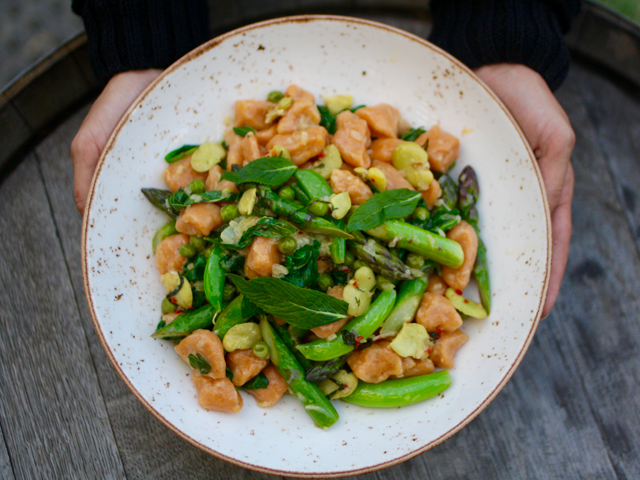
<point x="85" y="152"/>
<point x="554" y="147"/>
<point x="561" y="228"/>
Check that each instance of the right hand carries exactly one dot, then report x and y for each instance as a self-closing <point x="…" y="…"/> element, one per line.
<point x="106" y="112"/>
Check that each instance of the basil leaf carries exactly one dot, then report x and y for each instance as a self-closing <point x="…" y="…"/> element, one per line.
<point x="303" y="266"/>
<point x="180" y="199"/>
<point x="198" y="362"/>
<point x="180" y="153"/>
<point x="297" y="306"/>
<point x="242" y="131"/>
<point x="257" y="382"/>
<point x="327" y="120"/>
<point x="384" y="206"/>
<point x="413" y="134"/>
<point x="266" y="227"/>
<point x="269" y="171"/>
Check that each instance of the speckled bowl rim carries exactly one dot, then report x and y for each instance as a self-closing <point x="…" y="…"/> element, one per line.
<point x="196" y="53"/>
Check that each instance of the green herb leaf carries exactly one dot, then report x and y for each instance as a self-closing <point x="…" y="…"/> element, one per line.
<point x="229" y="373"/>
<point x="257" y="382"/>
<point x="180" y="153"/>
<point x="266" y="227"/>
<point x="413" y="134"/>
<point x="327" y="120"/>
<point x="195" y="272"/>
<point x="384" y="206"/>
<point x="303" y="266"/>
<point x="353" y="110"/>
<point x="198" y="362"/>
<point x="269" y="171"/>
<point x="242" y="131"/>
<point x="297" y="306"/>
<point x="180" y="199"/>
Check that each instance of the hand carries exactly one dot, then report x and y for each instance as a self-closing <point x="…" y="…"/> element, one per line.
<point x="100" y="122"/>
<point x="547" y="127"/>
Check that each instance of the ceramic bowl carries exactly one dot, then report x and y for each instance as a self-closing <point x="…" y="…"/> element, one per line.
<point x="325" y="55"/>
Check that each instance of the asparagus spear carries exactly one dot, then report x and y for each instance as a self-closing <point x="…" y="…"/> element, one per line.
<point x="158" y="199"/>
<point x="469" y="190"/>
<point x="298" y="215"/>
<point x="379" y="258"/>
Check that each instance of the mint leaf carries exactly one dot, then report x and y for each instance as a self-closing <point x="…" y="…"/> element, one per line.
<point x="413" y="134"/>
<point x="303" y="266"/>
<point x="180" y="153"/>
<point x="297" y="306"/>
<point x="198" y="362"/>
<point x="266" y="171"/>
<point x="242" y="131"/>
<point x="384" y="206"/>
<point x="266" y="227"/>
<point x="257" y="382"/>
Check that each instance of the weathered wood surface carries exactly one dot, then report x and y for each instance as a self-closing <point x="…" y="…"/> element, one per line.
<point x="572" y="409"/>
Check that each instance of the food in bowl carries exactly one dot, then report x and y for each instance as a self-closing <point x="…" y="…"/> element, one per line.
<point x="321" y="250"/>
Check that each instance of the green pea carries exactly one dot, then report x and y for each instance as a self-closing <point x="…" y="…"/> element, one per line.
<point x="318" y="208"/>
<point x="414" y="261"/>
<point x="229" y="212"/>
<point x="298" y="202"/>
<point x="421" y="213"/>
<point x="228" y="292"/>
<point x="260" y="349"/>
<point x="275" y="96"/>
<point x="167" y="306"/>
<point x="197" y="186"/>
<point x="359" y="263"/>
<point x="287" y="245"/>
<point x="187" y="250"/>
<point x="325" y="282"/>
<point x="383" y="283"/>
<point x="197" y="242"/>
<point x="287" y="193"/>
<point x="349" y="258"/>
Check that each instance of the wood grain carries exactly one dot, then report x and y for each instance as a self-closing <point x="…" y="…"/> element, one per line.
<point x="52" y="412"/>
<point x="6" y="471"/>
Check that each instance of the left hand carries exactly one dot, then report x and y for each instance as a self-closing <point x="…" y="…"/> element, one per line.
<point x="547" y="127"/>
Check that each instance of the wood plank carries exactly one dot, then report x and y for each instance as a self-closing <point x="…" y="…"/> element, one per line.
<point x="603" y="274"/>
<point x="147" y="448"/>
<point x="6" y="471"/>
<point x="52" y="413"/>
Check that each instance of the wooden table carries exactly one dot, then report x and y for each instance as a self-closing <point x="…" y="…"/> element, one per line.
<point x="572" y="409"/>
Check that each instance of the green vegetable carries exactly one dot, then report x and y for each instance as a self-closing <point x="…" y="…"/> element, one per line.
<point x="257" y="382"/>
<point x="287" y="193"/>
<point x="327" y="120"/>
<point x="180" y="153"/>
<point x="313" y="184"/>
<point x="214" y="278"/>
<point x="198" y="362"/>
<point x="197" y="242"/>
<point x="303" y="265"/>
<point x="464" y="305"/>
<point x="187" y="323"/>
<point x="238" y="311"/>
<point x="162" y="233"/>
<point x="386" y="205"/>
<point x="413" y="340"/>
<point x="413" y="134"/>
<point x="196" y="272"/>
<point x="242" y="131"/>
<point x="275" y="96"/>
<point x="379" y="258"/>
<point x="325" y="282"/>
<point x="414" y="261"/>
<point x="229" y="212"/>
<point x="187" y="250"/>
<point x="298" y="215"/>
<point x="159" y="199"/>
<point x="422" y="242"/>
<point x="172" y="203"/>
<point x="241" y="337"/>
<point x="167" y="306"/>
<point x="300" y="194"/>
<point x="481" y="274"/>
<point x="287" y="245"/>
<point x="297" y="306"/>
<point x="406" y="306"/>
<point x="396" y="393"/>
<point x="265" y="171"/>
<point x="232" y="262"/>
<point x="338" y="250"/>
<point x="421" y="213"/>
<point x="323" y="370"/>
<point x="265" y="227"/>
<point x="358" y="264"/>
<point x="290" y="336"/>
<point x="260" y="349"/>
<point x="228" y="292"/>
<point x="449" y="192"/>
<point x="318" y="207"/>
<point x="314" y="402"/>
<point x="353" y="110"/>
<point x="362" y="326"/>
<point x="349" y="258"/>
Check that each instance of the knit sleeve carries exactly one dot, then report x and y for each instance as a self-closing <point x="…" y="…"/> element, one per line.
<point x="138" y="34"/>
<point x="516" y="31"/>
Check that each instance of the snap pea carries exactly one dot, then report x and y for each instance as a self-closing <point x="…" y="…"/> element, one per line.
<point x="214" y="278"/>
<point x="396" y="393"/>
<point x="407" y="304"/>
<point x="338" y="248"/>
<point x="237" y="312"/>
<point x="315" y="403"/>
<point x="362" y="326"/>
<point x="312" y="183"/>
<point x="188" y="322"/>
<point x="290" y="341"/>
<point x="430" y="245"/>
<point x="162" y="233"/>
<point x="299" y="194"/>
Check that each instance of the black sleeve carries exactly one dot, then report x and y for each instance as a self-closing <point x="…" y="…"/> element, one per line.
<point x="138" y="34"/>
<point x="516" y="31"/>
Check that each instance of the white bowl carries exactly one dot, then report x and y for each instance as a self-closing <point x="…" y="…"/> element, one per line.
<point x="326" y="55"/>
